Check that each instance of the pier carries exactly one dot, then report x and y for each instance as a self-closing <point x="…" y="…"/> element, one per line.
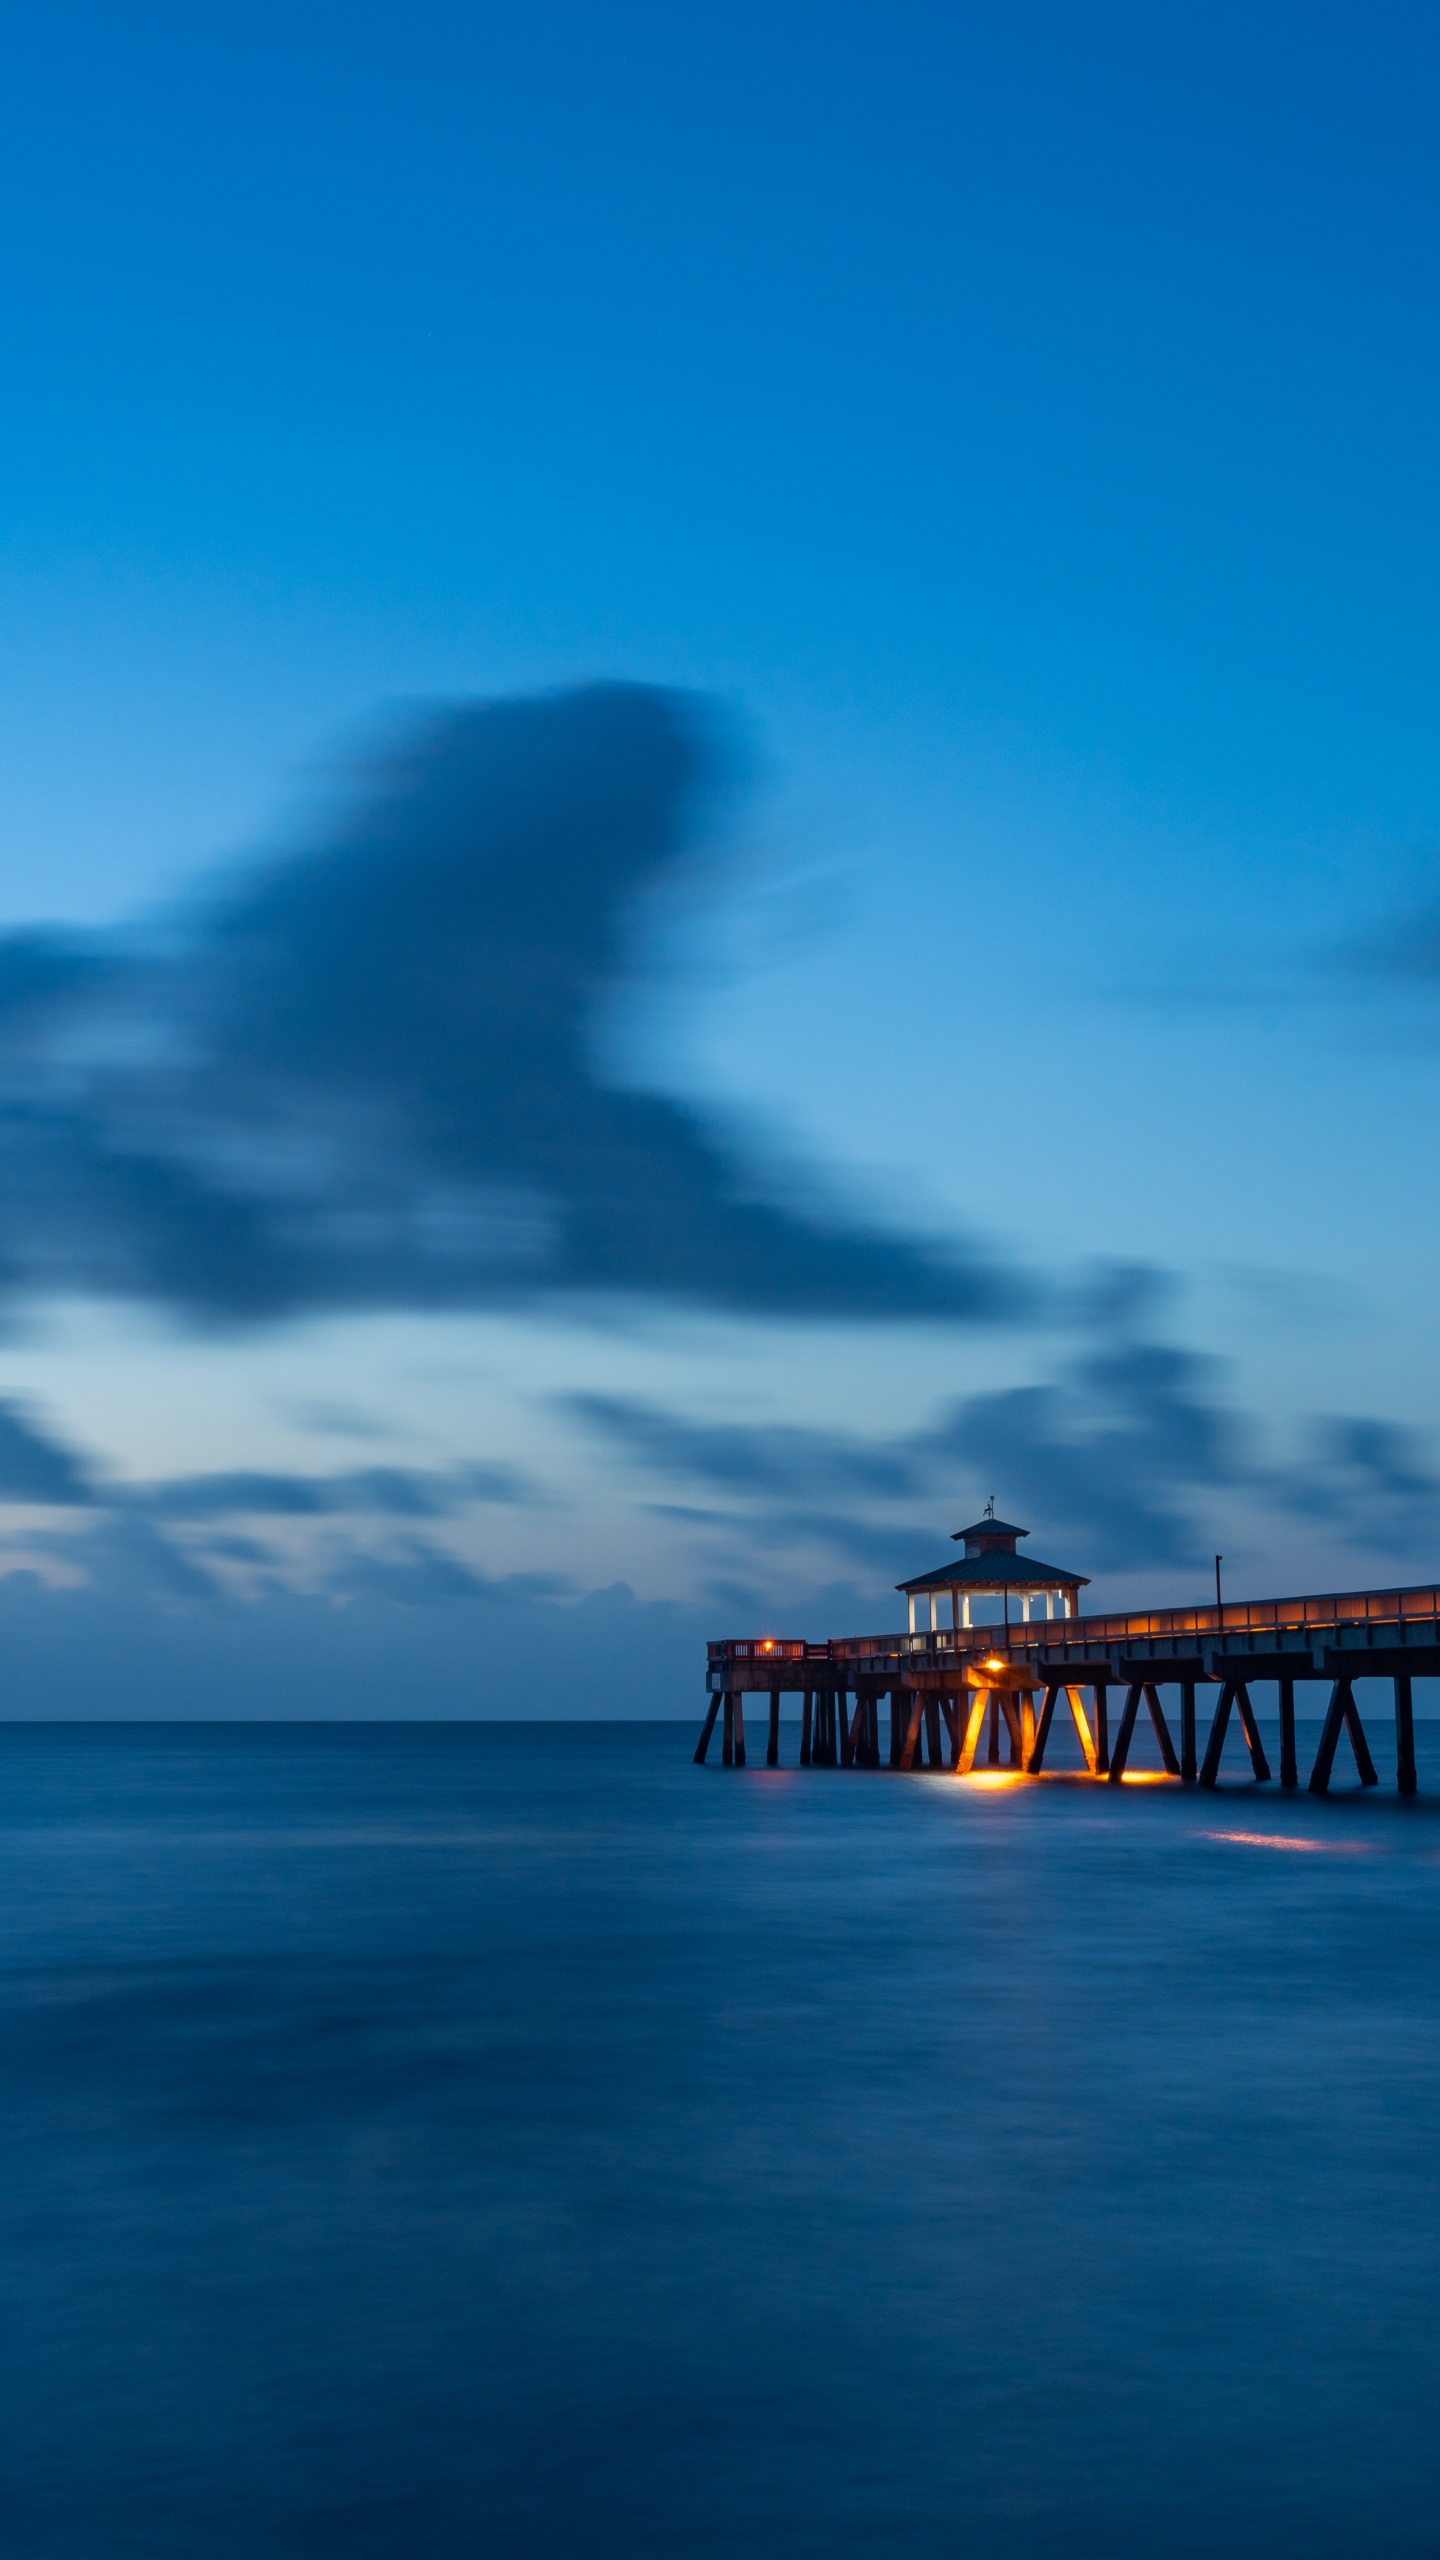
<point x="951" y="1689"/>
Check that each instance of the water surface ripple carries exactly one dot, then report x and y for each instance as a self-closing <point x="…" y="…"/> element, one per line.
<point x="435" y="2140"/>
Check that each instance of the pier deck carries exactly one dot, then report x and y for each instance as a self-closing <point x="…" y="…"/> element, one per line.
<point x="951" y="1688"/>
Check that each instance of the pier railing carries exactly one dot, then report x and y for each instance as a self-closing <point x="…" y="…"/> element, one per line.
<point x="1411" y="1601"/>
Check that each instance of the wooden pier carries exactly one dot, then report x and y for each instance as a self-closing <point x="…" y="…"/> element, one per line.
<point x="953" y="1689"/>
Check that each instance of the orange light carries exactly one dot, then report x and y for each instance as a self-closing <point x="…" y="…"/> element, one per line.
<point x="994" y="1662"/>
<point x="993" y="1778"/>
<point x="769" y="1645"/>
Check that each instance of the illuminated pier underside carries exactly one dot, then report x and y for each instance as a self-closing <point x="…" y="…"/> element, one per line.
<point x="954" y="1688"/>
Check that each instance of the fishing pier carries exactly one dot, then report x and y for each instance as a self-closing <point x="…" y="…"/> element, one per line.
<point x="950" y="1689"/>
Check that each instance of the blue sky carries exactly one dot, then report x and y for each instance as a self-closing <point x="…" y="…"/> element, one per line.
<point x="968" y="1021"/>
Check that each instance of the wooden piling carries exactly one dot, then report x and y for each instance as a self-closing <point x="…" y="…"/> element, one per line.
<point x="711" y="1712"/>
<point x="1369" y="1775"/>
<point x="805" y="1729"/>
<point x="1102" y="1729"/>
<point x="1083" y="1733"/>
<point x="772" y="1747"/>
<point x="1251" y="1730"/>
<point x="1216" y="1744"/>
<point x="992" y="1748"/>
<point x="932" y="1731"/>
<point x="1329" y="1737"/>
<point x="1046" y="1718"/>
<point x="1121" y="1753"/>
<point x="1187" y="1733"/>
<point x="974" y="1706"/>
<point x="727" y="1756"/>
<point x="1289" y="1774"/>
<point x="1405" y="1777"/>
<point x="739" y="1695"/>
<point x="1162" y="1730"/>
<point x="1342" y="1713"/>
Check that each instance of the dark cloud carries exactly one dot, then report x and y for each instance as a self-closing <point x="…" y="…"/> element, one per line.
<point x="749" y="1458"/>
<point x="399" y="1493"/>
<point x="364" y="1075"/>
<point x="417" y="1574"/>
<point x="1116" y="1451"/>
<point x="1374" y="1478"/>
<point x="34" y="1467"/>
<point x="1121" y="1461"/>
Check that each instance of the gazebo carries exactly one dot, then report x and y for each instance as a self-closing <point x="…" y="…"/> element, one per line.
<point x="991" y="1569"/>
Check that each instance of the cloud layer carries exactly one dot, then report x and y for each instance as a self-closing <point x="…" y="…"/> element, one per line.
<point x="363" y="1075"/>
<point x="1127" y="1462"/>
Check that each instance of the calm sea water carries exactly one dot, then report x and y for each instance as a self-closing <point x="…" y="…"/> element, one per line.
<point x="426" y="2141"/>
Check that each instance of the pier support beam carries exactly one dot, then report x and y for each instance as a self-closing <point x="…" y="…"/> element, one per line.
<point x="974" y="1705"/>
<point x="1289" y="1774"/>
<point x="727" y="1755"/>
<point x="708" y="1727"/>
<point x="1146" y="1691"/>
<point x="1246" y="1713"/>
<point x="1187" y="1733"/>
<point x="1233" y="1693"/>
<point x="772" y="1747"/>
<point x="1083" y="1733"/>
<point x="1342" y="1710"/>
<point x="1102" y="1730"/>
<point x="1044" y="1721"/>
<point x="1405" y="1777"/>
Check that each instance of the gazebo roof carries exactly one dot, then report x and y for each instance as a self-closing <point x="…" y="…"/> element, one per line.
<point x="998" y="1571"/>
<point x="990" y="1527"/>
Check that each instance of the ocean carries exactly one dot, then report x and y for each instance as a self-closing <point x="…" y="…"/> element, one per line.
<point x="489" y="2139"/>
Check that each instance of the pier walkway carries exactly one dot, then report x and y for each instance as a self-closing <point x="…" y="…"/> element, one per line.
<point x="954" y="1687"/>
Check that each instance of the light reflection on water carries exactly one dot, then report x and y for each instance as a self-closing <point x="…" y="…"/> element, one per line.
<point x="428" y="2141"/>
